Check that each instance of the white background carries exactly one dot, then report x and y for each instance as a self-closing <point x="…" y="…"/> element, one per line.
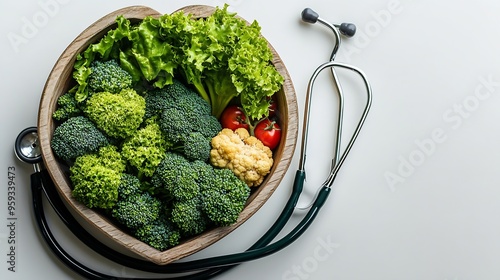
<point x="418" y="197"/>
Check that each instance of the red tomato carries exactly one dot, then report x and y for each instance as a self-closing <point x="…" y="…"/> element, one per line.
<point x="233" y="117"/>
<point x="268" y="132"/>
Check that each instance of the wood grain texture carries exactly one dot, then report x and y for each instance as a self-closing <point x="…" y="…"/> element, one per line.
<point x="59" y="81"/>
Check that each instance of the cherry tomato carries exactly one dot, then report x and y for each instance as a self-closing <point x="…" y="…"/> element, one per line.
<point x="233" y="117"/>
<point x="268" y="132"/>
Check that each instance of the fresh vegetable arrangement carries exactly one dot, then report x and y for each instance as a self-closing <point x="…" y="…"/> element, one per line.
<point x="145" y="133"/>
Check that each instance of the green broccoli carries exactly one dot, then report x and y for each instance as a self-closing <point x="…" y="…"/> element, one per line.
<point x="118" y="115"/>
<point x="157" y="100"/>
<point x="67" y="107"/>
<point x="190" y="101"/>
<point x="188" y="216"/>
<point x="174" y="95"/>
<point x="175" y="178"/>
<point x="186" y="109"/>
<point x="183" y="115"/>
<point x="224" y="197"/>
<point x="97" y="177"/>
<point x="108" y="76"/>
<point x="207" y="125"/>
<point x="194" y="111"/>
<point x="174" y="124"/>
<point x="160" y="234"/>
<point x="145" y="149"/>
<point x="200" y="195"/>
<point x="137" y="210"/>
<point x="196" y="147"/>
<point x="75" y="137"/>
<point x="129" y="185"/>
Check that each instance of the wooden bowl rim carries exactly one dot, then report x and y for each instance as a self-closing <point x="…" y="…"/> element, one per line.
<point x="54" y="86"/>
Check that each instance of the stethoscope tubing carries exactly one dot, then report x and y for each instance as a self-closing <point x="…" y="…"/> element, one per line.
<point x="50" y="240"/>
<point x="216" y="265"/>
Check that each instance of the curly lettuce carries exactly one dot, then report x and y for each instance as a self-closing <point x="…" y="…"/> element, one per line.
<point x="222" y="56"/>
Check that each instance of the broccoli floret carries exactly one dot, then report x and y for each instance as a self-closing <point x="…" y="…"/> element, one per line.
<point x="160" y="234"/>
<point x="96" y="177"/>
<point x="199" y="195"/>
<point x="186" y="111"/>
<point x="137" y="210"/>
<point x="156" y="101"/>
<point x="196" y="147"/>
<point x="175" y="95"/>
<point x="224" y="197"/>
<point x="118" y="115"/>
<point x="67" y="107"/>
<point x="184" y="118"/>
<point x="207" y="125"/>
<point x="145" y="149"/>
<point x="218" y="200"/>
<point x="174" y="124"/>
<point x="108" y="76"/>
<point x="175" y="178"/>
<point x="190" y="101"/>
<point x="75" y="137"/>
<point x="188" y="114"/>
<point x="188" y="217"/>
<point x="129" y="185"/>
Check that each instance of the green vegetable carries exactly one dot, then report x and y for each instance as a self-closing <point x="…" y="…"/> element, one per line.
<point x="137" y="210"/>
<point x="201" y="196"/>
<point x="160" y="234"/>
<point x="175" y="178"/>
<point x="108" y="76"/>
<point x="209" y="126"/>
<point x="196" y="147"/>
<point x="187" y="134"/>
<point x="184" y="119"/>
<point x="67" y="107"/>
<point x="75" y="137"/>
<point x="175" y="124"/>
<point x="222" y="56"/>
<point x="145" y="149"/>
<point x="97" y="177"/>
<point x="139" y="49"/>
<point x="129" y="185"/>
<point x="118" y="115"/>
<point x="224" y="197"/>
<point x="188" y="217"/>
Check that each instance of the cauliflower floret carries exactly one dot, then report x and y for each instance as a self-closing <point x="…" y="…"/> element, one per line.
<point x="245" y="155"/>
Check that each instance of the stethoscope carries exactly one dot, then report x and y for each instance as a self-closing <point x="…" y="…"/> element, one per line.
<point x="27" y="150"/>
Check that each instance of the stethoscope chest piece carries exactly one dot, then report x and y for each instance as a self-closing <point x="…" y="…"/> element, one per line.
<point x="27" y="146"/>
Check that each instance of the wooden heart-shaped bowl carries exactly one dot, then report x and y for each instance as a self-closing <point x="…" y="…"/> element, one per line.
<point x="59" y="82"/>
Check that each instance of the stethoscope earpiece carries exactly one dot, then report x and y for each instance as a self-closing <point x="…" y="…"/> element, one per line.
<point x="347" y="29"/>
<point x="310" y="16"/>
